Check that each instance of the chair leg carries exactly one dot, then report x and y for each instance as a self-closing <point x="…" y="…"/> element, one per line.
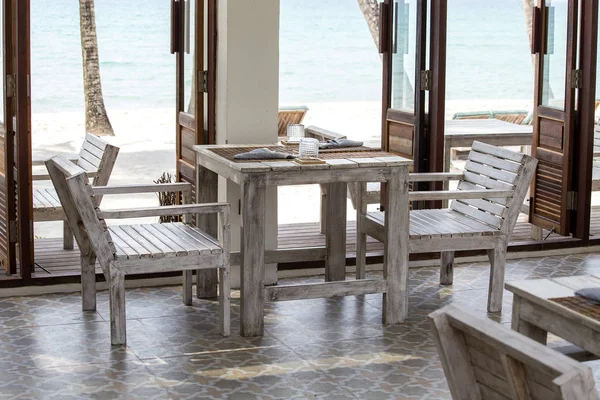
<point x="447" y="268"/>
<point x="497" y="258"/>
<point x="224" y="301"/>
<point x="537" y="233"/>
<point x="187" y="287"/>
<point x="88" y="281"/>
<point x="67" y="236"/>
<point x="323" y="221"/>
<point x="116" y="293"/>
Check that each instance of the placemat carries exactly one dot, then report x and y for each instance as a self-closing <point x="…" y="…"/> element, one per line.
<point x="331" y="154"/>
<point x="581" y="305"/>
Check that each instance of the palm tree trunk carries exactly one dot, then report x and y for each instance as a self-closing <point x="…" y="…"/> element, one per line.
<point x="528" y="6"/>
<point x="370" y="9"/>
<point x="96" y="119"/>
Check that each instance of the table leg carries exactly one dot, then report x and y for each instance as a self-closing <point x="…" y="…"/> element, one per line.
<point x="206" y="192"/>
<point x="252" y="268"/>
<point x="397" y="225"/>
<point x="523" y="327"/>
<point x="335" y="231"/>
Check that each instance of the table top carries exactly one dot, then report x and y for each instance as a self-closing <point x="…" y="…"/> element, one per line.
<point x="343" y="160"/>
<point x="485" y="127"/>
<point x="540" y="291"/>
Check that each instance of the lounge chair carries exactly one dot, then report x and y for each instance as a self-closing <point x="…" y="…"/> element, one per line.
<point x="290" y="115"/>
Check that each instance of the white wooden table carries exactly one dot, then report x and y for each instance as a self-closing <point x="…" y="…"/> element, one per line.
<point x="463" y="132"/>
<point x="255" y="176"/>
<point x="534" y="315"/>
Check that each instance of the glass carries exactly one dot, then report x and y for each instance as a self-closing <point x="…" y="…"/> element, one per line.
<point x="189" y="56"/>
<point x="403" y="55"/>
<point x="295" y="132"/>
<point x="553" y="81"/>
<point x="309" y="147"/>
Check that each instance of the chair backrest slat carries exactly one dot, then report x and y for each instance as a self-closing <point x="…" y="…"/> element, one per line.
<point x="81" y="208"/>
<point x="492" y="167"/>
<point x="483" y="359"/>
<point x="96" y="155"/>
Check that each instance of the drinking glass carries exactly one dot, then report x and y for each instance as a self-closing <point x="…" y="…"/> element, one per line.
<point x="309" y="147"/>
<point x="295" y="132"/>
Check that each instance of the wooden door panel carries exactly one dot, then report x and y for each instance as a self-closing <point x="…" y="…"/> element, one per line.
<point x="553" y="198"/>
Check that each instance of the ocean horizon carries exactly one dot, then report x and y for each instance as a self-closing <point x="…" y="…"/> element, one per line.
<point x="327" y="53"/>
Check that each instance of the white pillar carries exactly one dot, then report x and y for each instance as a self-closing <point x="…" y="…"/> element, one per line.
<point x="248" y="97"/>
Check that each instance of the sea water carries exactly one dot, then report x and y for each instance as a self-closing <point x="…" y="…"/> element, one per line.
<point x="327" y="53"/>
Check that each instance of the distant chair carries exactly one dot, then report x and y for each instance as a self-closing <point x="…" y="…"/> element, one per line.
<point x="484" y="360"/>
<point x="519" y="117"/>
<point x="290" y="115"/>
<point x="97" y="158"/>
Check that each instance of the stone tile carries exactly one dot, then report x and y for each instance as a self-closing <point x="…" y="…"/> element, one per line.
<point x="60" y="345"/>
<point x="312" y="349"/>
<point x="16" y="312"/>
<point x="187" y="335"/>
<point x="269" y="372"/>
<point x="119" y="380"/>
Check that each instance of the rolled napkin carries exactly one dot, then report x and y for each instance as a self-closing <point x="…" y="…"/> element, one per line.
<point x="339" y="144"/>
<point x="263" y="154"/>
<point x="592" y="293"/>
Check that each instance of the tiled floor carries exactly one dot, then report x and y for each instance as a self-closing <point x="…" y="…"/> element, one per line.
<point x="312" y="349"/>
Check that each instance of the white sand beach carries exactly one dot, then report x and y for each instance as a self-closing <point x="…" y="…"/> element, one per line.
<point x="146" y="138"/>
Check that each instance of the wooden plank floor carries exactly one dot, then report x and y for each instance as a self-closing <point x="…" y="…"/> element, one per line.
<point x="52" y="260"/>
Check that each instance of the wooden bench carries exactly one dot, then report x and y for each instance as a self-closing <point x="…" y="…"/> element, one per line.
<point x="139" y="249"/>
<point x="484" y="360"/>
<point x="481" y="216"/>
<point x="97" y="158"/>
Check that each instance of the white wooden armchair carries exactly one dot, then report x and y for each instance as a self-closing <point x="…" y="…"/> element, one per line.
<point x="142" y="248"/>
<point x="97" y="158"/>
<point x="481" y="216"/>
<point x="484" y="360"/>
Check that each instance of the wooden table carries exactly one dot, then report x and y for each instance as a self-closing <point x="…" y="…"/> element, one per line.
<point x="255" y="176"/>
<point x="534" y="315"/>
<point x="463" y="132"/>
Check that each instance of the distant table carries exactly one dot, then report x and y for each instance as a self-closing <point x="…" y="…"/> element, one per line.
<point x="338" y="170"/>
<point x="463" y="132"/>
<point x="535" y="315"/>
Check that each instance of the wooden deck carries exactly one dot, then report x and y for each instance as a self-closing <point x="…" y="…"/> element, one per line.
<point x="52" y="260"/>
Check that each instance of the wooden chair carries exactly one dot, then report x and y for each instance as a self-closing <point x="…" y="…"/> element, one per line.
<point x="290" y="115"/>
<point x="97" y="158"/>
<point x="484" y="360"/>
<point x="481" y="216"/>
<point x="139" y="249"/>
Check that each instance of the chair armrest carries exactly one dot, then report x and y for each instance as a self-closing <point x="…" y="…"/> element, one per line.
<point x="207" y="208"/>
<point x="434" y="176"/>
<point x="40" y="162"/>
<point x="149" y="188"/>
<point x="323" y="134"/>
<point x="460" y="194"/>
<point x="46" y="177"/>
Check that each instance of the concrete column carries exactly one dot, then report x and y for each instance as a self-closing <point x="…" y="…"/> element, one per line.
<point x="248" y="97"/>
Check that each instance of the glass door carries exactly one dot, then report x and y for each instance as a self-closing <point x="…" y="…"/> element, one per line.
<point x="414" y="92"/>
<point x="404" y="54"/>
<point x="555" y="48"/>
